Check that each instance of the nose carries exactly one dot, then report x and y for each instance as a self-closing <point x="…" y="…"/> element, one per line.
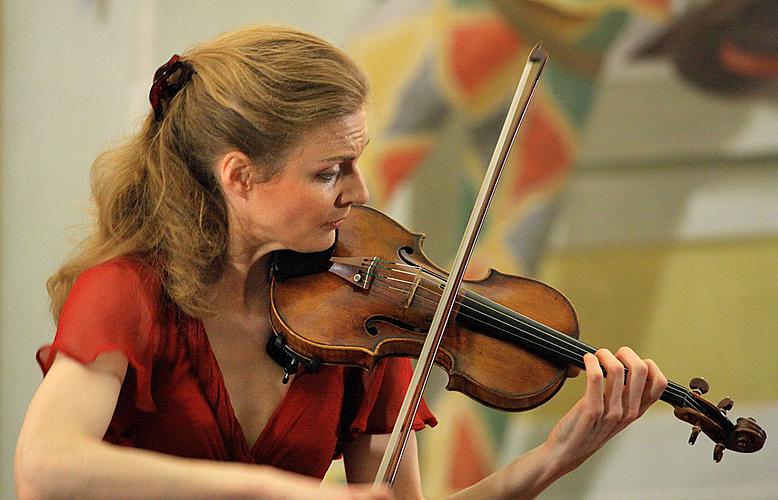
<point x="355" y="190"/>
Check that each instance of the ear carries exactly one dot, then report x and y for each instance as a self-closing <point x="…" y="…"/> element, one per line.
<point x="235" y="172"/>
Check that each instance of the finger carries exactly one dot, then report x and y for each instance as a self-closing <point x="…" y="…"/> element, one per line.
<point x="614" y="386"/>
<point x="594" y="385"/>
<point x="637" y="370"/>
<point x="656" y="383"/>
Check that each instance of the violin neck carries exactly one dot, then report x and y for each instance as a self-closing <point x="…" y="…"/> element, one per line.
<point x="502" y="322"/>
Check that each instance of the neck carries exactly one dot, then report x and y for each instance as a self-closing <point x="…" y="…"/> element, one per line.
<point x="243" y="286"/>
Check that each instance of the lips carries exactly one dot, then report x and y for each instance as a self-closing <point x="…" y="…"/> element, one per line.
<point x="336" y="223"/>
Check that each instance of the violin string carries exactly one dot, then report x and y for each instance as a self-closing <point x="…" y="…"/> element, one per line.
<point x="462" y="305"/>
<point x="464" y="309"/>
<point x="672" y="388"/>
<point x="571" y="351"/>
<point x="536" y="338"/>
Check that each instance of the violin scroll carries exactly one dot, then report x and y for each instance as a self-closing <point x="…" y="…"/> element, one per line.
<point x="744" y="436"/>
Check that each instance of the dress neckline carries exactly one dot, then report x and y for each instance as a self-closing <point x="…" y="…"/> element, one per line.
<point x="219" y="400"/>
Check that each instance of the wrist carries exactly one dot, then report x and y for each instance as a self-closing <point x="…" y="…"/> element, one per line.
<point x="531" y="473"/>
<point x="556" y="461"/>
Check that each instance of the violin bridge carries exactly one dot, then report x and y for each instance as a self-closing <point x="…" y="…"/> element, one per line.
<point x="359" y="271"/>
<point x="414" y="286"/>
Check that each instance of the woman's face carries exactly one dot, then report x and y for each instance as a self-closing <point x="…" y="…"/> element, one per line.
<point x="302" y="205"/>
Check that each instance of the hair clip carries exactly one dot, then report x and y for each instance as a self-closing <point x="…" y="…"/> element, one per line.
<point x="165" y="88"/>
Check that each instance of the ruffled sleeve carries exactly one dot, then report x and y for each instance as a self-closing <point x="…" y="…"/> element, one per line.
<point x="374" y="399"/>
<point x="111" y="307"/>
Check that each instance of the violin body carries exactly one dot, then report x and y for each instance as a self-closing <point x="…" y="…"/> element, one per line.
<point x="324" y="317"/>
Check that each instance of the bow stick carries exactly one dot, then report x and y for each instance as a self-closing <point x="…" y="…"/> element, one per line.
<point x="402" y="427"/>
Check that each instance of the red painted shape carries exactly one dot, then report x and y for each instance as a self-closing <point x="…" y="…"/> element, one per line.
<point x="544" y="154"/>
<point x="397" y="164"/>
<point x="478" y="51"/>
<point x="469" y="463"/>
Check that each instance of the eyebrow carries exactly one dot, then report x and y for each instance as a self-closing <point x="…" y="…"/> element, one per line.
<point x="345" y="157"/>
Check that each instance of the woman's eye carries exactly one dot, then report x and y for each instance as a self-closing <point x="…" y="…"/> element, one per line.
<point x="327" y="176"/>
<point x="332" y="173"/>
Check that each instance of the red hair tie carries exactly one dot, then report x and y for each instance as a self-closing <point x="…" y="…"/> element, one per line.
<point x="169" y="79"/>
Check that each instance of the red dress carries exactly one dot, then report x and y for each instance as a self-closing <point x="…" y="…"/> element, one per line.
<point x="174" y="399"/>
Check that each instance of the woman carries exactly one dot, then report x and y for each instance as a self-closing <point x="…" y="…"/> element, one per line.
<point x="158" y="383"/>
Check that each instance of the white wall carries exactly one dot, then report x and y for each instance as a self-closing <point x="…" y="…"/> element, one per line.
<point x="75" y="78"/>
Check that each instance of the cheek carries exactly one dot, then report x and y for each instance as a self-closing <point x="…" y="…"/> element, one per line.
<point x="297" y="207"/>
<point x="299" y="222"/>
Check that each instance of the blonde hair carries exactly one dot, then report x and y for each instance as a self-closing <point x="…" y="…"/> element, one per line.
<point x="258" y="90"/>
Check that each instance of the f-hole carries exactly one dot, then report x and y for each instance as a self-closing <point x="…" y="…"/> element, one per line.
<point x="372" y="325"/>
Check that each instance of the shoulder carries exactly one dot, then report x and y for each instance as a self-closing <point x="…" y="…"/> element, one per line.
<point x="119" y="270"/>
<point x="120" y="275"/>
<point x="126" y="285"/>
<point x="113" y="306"/>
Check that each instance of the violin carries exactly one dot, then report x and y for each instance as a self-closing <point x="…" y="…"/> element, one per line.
<point x="509" y="344"/>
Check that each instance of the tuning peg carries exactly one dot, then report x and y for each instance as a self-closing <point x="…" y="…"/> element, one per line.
<point x="695" y="433"/>
<point x="718" y="452"/>
<point x="699" y="385"/>
<point x="725" y="405"/>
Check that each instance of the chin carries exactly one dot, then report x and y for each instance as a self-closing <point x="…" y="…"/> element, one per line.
<point x="319" y="245"/>
<point x="328" y="241"/>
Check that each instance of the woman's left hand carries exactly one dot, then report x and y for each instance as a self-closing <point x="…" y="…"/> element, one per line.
<point x="604" y="411"/>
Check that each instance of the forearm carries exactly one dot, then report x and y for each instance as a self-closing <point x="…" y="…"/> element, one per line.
<point x="525" y="477"/>
<point x="100" y="470"/>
